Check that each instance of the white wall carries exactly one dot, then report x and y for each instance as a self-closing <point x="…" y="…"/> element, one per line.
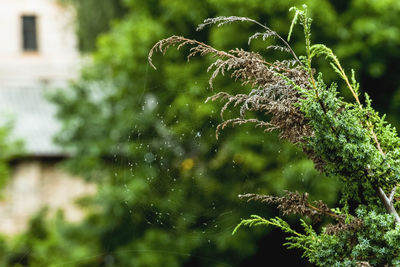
<point x="25" y="76"/>
<point x="57" y="59"/>
<point x="35" y="184"/>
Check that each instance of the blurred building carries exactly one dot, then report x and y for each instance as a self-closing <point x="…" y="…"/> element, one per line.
<point x="38" y="52"/>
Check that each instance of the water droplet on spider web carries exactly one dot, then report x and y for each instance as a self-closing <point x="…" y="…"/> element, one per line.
<point x="149" y="157"/>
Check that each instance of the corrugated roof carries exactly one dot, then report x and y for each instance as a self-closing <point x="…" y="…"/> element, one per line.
<point x="33" y="118"/>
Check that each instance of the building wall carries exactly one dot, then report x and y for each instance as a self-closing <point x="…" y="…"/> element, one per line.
<point x="36" y="184"/>
<point x="24" y="78"/>
<point x="57" y="57"/>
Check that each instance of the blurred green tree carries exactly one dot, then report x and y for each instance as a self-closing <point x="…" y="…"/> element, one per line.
<point x="10" y="149"/>
<point x="167" y="188"/>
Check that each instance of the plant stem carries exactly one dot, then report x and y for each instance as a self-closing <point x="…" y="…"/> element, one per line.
<point x="388" y="204"/>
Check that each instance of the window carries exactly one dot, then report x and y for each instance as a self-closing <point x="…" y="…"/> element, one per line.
<point x="29" y="36"/>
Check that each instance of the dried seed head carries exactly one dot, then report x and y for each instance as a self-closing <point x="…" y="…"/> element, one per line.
<point x="275" y="86"/>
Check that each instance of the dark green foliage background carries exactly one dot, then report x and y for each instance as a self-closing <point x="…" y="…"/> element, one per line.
<point x="167" y="188"/>
<point x="10" y="149"/>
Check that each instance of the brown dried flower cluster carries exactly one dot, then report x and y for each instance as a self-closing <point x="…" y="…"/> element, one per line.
<point x="342" y="226"/>
<point x="271" y="94"/>
<point x="296" y="203"/>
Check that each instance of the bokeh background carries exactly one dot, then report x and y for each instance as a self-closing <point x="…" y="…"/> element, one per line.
<point x="107" y="162"/>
